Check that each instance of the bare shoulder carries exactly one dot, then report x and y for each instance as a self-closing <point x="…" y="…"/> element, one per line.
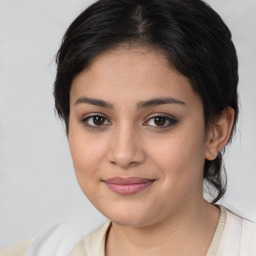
<point x="17" y="249"/>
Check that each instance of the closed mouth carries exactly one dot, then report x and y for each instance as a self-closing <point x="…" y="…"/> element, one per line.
<point x="128" y="185"/>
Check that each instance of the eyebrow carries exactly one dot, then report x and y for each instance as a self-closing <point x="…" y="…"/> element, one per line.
<point x="142" y="104"/>
<point x="95" y="102"/>
<point x="159" y="101"/>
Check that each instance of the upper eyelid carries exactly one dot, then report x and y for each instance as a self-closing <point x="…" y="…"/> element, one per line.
<point x="92" y="115"/>
<point x="161" y="115"/>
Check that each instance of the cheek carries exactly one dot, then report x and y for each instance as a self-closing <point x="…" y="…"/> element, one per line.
<point x="181" y="160"/>
<point x="86" y="161"/>
<point x="87" y="157"/>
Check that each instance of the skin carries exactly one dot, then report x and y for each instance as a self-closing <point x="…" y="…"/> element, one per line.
<point x="170" y="215"/>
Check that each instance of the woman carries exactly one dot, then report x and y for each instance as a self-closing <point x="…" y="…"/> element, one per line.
<point x="148" y="94"/>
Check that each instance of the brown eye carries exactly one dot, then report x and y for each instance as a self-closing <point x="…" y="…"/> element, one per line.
<point x="95" y="121"/>
<point x="159" y="121"/>
<point x="98" y="120"/>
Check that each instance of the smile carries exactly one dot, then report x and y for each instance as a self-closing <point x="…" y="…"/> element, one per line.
<point x="128" y="186"/>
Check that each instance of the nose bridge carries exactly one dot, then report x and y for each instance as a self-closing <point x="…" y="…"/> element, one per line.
<point x="126" y="149"/>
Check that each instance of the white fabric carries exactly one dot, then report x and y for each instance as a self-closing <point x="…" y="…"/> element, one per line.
<point x="218" y="232"/>
<point x="59" y="241"/>
<point x="94" y="243"/>
<point x="238" y="239"/>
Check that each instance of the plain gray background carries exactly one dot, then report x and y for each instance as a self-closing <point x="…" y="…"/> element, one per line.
<point x="37" y="184"/>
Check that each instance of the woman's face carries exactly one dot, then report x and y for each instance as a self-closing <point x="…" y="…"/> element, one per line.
<point x="137" y="137"/>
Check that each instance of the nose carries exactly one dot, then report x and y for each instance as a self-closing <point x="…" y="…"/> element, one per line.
<point x="126" y="148"/>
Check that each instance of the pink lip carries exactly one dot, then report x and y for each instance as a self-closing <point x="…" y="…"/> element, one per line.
<point x="129" y="185"/>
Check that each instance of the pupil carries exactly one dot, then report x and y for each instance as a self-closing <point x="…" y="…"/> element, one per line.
<point x="160" y="121"/>
<point x="98" y="120"/>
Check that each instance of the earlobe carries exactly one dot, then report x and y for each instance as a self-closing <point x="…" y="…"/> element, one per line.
<point x="219" y="133"/>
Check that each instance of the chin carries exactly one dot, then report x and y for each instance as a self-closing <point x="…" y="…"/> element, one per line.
<point x="129" y="216"/>
<point x="129" y="222"/>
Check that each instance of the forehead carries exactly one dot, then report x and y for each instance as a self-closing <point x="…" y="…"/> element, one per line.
<point x="132" y="74"/>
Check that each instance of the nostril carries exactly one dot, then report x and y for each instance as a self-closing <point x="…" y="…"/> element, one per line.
<point x="124" y="162"/>
<point x="133" y="163"/>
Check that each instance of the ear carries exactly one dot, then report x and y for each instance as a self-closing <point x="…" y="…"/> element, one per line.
<point x="219" y="133"/>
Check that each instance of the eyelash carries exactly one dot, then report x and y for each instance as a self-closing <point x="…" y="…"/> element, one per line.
<point x="166" y="118"/>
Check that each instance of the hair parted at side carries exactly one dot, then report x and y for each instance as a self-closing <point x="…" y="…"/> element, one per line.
<point x="189" y="33"/>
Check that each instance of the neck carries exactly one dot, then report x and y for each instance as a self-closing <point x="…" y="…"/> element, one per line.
<point x="187" y="231"/>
